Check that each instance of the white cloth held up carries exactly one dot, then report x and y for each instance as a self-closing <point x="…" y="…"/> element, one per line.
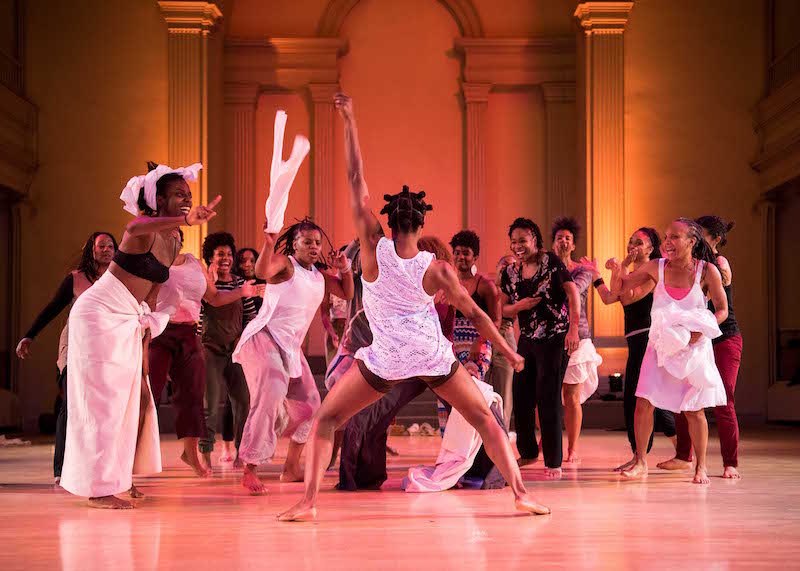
<point x="282" y="174"/>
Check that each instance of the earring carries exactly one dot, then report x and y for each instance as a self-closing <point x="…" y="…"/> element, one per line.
<point x="474" y="269"/>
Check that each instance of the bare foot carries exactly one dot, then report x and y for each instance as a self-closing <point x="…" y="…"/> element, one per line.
<point x="552" y="473"/>
<point x="572" y="457"/>
<point x="195" y="465"/>
<point x="205" y="460"/>
<point x="526" y="504"/>
<point x="302" y="511"/>
<point x="392" y="451"/>
<point x="228" y="452"/>
<point x="522" y="462"/>
<point x="251" y="482"/>
<point x="135" y="493"/>
<point x="238" y="462"/>
<point x="636" y="472"/>
<point x="110" y="503"/>
<point x="291" y="474"/>
<point x="731" y="473"/>
<point x="57" y="480"/>
<point x="626" y="466"/>
<point x="701" y="476"/>
<point x="674" y="464"/>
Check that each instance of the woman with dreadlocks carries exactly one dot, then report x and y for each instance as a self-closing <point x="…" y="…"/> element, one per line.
<point x="678" y="372"/>
<point x="283" y="394"/>
<point x="399" y="284"/>
<point x="96" y="257"/>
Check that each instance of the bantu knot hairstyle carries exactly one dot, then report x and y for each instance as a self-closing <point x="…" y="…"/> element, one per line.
<point x="406" y="210"/>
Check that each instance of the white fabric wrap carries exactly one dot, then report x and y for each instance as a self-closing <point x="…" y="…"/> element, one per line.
<point x="130" y="194"/>
<point x="282" y="174"/>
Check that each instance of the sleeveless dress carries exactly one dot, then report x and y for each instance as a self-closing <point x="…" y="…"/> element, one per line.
<point x="675" y="375"/>
<point x="465" y="334"/>
<point x="407" y="338"/>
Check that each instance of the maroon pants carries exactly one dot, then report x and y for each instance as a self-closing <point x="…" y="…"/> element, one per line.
<point x="728" y="355"/>
<point x="178" y="352"/>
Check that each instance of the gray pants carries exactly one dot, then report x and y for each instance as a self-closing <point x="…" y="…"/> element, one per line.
<point x="220" y="370"/>
<point x="501" y="374"/>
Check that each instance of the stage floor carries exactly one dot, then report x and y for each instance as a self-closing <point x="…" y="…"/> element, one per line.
<point x="598" y="521"/>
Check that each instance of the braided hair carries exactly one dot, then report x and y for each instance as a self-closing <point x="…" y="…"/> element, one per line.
<point x="161" y="189"/>
<point x="701" y="249"/>
<point x="406" y="210"/>
<point x="717" y="227"/>
<point x="285" y="242"/>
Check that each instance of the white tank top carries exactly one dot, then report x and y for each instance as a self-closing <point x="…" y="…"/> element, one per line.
<point x="407" y="338"/>
<point x="183" y="291"/>
<point x="287" y="313"/>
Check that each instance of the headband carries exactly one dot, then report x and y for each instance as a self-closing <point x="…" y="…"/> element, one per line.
<point x="130" y="194"/>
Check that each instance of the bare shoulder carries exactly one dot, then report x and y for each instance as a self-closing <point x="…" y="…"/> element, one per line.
<point x="486" y="286"/>
<point x="711" y="273"/>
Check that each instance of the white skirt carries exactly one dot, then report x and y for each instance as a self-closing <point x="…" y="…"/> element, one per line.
<point x="106" y="328"/>
<point x="582" y="369"/>
<point x="665" y="391"/>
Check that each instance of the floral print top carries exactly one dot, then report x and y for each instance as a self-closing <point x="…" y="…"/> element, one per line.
<point x="551" y="316"/>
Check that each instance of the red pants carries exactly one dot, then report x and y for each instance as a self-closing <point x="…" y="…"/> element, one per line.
<point x="728" y="355"/>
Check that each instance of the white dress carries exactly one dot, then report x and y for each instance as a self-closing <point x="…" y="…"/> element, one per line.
<point x="699" y="384"/>
<point x="407" y="338"/>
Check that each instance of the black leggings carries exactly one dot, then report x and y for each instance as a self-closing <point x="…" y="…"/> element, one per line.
<point x="538" y="385"/>
<point x="664" y="420"/>
<point x="61" y="426"/>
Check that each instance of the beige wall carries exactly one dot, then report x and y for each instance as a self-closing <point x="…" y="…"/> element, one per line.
<point x="693" y="73"/>
<point x="98" y="76"/>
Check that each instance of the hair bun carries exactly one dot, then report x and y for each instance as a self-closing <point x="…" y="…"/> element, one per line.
<point x="730" y="226"/>
<point x="151" y="166"/>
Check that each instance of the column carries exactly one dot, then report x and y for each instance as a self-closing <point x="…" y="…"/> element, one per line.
<point x="243" y="217"/>
<point x="189" y="24"/>
<point x="476" y="100"/>
<point x="322" y="156"/>
<point x="604" y="24"/>
<point x="560" y="165"/>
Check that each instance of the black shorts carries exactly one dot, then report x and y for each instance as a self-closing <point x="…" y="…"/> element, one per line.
<point x="384" y="386"/>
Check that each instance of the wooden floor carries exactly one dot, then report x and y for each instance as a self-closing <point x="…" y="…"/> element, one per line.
<point x="598" y="521"/>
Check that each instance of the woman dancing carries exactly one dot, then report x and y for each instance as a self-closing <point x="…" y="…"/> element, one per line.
<point x="106" y="439"/>
<point x="399" y="285"/>
<point x="472" y="350"/>
<point x="539" y="291"/>
<point x="728" y="356"/>
<point x="580" y="379"/>
<point x="178" y="352"/>
<point x="270" y="350"/>
<point x="96" y="257"/>
<point x="678" y="373"/>
<point x="644" y="245"/>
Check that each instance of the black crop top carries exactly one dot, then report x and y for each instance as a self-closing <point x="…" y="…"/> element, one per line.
<point x="145" y="266"/>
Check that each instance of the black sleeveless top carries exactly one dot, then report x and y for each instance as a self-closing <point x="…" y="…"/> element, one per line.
<point x="729" y="327"/>
<point x="145" y="266"/>
<point x="637" y="314"/>
<point x="479" y="301"/>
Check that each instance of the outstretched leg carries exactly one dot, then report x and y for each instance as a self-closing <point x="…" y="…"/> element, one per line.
<point x="461" y="392"/>
<point x="349" y="395"/>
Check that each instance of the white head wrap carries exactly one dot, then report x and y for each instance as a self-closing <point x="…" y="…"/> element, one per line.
<point x="130" y="194"/>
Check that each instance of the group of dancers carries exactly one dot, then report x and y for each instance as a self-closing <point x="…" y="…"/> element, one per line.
<point x="417" y="316"/>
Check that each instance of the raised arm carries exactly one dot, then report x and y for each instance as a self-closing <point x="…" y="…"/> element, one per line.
<point x="367" y="225"/>
<point x="270" y="264"/>
<point x="646" y="273"/>
<point x="440" y="276"/>
<point x="606" y="296"/>
<point x="342" y="287"/>
<point x="150" y="224"/>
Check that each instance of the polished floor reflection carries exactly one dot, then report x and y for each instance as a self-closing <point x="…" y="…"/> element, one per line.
<point x="598" y="521"/>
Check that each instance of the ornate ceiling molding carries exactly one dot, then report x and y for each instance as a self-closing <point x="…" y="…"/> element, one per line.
<point x="190" y="16"/>
<point x="603" y="17"/>
<point x="518" y="62"/>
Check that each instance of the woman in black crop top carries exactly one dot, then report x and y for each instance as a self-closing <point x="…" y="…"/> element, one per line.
<point x="644" y="244"/>
<point x="472" y="350"/>
<point x="728" y="357"/>
<point x="97" y="254"/>
<point x="109" y="332"/>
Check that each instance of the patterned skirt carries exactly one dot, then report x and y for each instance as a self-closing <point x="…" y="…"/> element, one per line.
<point x="464" y="336"/>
